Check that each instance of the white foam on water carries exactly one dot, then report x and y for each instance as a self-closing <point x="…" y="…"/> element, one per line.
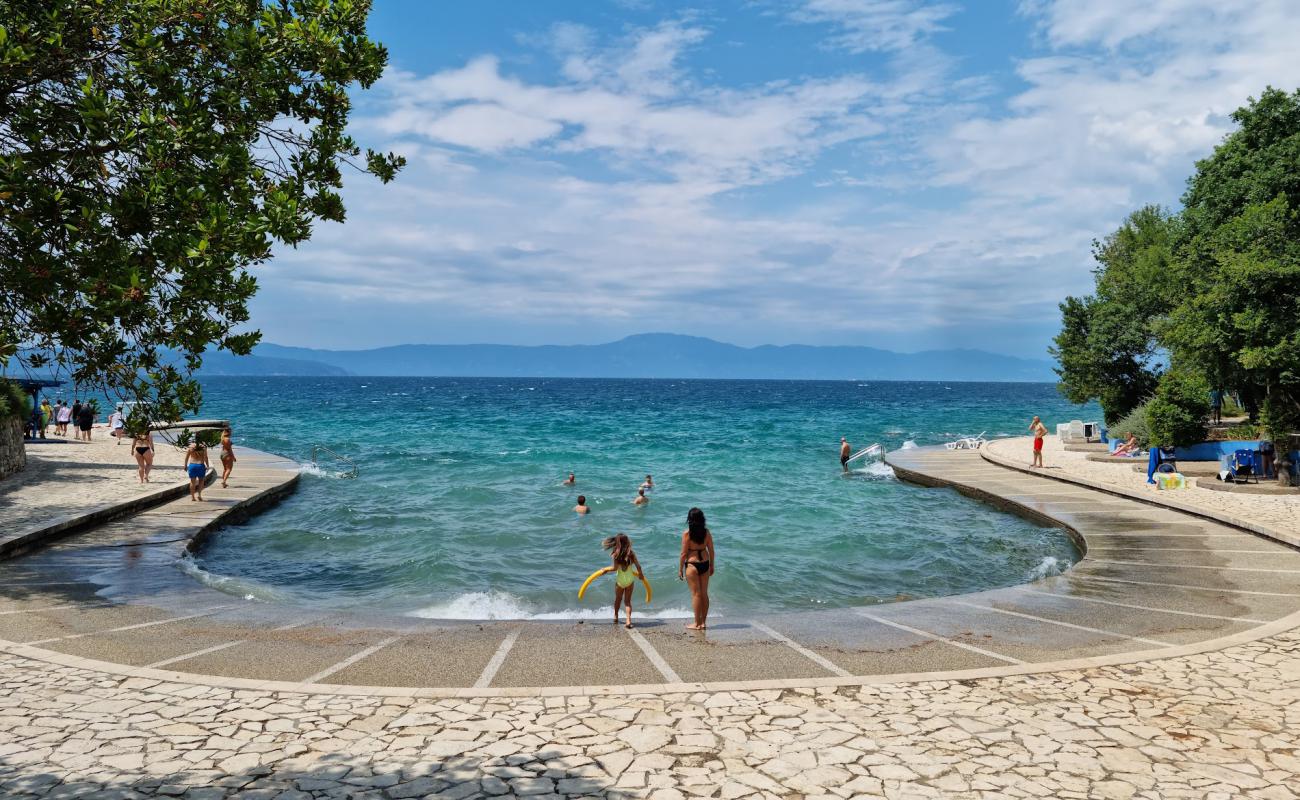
<point x="503" y="605"/>
<point x="316" y="470"/>
<point x="1049" y="566"/>
<point x="876" y="469"/>
<point x="239" y="587"/>
<point x="908" y="445"/>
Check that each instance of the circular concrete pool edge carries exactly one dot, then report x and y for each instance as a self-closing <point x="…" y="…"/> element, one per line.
<point x="1007" y="503"/>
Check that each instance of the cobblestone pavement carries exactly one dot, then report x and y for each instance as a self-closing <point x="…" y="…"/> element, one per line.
<point x="1217" y="725"/>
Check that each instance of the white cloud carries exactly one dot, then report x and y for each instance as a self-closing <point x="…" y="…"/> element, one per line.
<point x="631" y="194"/>
<point x="882" y="25"/>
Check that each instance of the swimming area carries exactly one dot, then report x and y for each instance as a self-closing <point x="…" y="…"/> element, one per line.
<point x="458" y="510"/>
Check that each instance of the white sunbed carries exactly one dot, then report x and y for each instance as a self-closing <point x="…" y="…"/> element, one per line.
<point x="968" y="442"/>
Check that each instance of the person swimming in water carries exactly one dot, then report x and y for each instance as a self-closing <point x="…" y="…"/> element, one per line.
<point x="571" y="480"/>
<point x="649" y="484"/>
<point x="582" y="507"/>
<point x="845" y="452"/>
<point x="641" y="499"/>
<point x="620" y="550"/>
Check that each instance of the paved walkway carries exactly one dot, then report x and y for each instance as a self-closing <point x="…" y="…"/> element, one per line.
<point x="1278" y="513"/>
<point x="1221" y="725"/>
<point x="69" y="478"/>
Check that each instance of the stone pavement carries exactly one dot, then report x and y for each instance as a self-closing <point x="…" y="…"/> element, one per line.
<point x="1278" y="512"/>
<point x="1217" y="725"/>
<point x="74" y="477"/>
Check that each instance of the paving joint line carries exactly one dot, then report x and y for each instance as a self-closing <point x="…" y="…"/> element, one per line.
<point x="651" y="653"/>
<point x="1148" y="608"/>
<point x="498" y="658"/>
<point x="126" y="627"/>
<point x="1085" y="576"/>
<point x="822" y="661"/>
<point x="1049" y="621"/>
<point x="215" y="648"/>
<point x="936" y="637"/>
<point x="42" y="608"/>
<point x="1193" y="566"/>
<point x="352" y="659"/>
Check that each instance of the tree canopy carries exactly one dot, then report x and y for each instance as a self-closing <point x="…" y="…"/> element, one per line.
<point x="152" y="154"/>
<point x="1212" y="291"/>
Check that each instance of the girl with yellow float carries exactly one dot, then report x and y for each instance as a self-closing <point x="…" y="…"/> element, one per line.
<point x="626" y="569"/>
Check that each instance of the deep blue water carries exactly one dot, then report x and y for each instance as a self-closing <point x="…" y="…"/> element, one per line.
<point x="458" y="509"/>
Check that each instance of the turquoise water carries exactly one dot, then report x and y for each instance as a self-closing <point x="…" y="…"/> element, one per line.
<point x="458" y="509"/>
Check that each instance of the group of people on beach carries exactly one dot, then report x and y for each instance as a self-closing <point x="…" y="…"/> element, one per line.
<point x="79" y="416"/>
<point x="695" y="564"/>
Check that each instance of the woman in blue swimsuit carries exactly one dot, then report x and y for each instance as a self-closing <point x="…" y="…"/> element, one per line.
<point x="196" y="467"/>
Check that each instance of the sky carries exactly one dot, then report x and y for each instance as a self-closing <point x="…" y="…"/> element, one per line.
<point x="895" y="173"/>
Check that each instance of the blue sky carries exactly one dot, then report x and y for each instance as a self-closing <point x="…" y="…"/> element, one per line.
<point x="895" y="173"/>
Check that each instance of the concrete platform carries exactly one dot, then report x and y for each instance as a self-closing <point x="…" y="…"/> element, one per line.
<point x="1153" y="582"/>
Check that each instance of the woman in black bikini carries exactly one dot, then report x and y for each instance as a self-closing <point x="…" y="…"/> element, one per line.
<point x="143" y="444"/>
<point x="696" y="565"/>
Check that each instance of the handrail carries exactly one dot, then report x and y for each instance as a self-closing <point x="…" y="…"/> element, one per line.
<point x="352" y="469"/>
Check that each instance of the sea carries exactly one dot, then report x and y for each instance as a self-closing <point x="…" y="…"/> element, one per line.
<point x="450" y="504"/>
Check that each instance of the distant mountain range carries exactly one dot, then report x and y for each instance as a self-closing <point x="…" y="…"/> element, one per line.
<point x="652" y="355"/>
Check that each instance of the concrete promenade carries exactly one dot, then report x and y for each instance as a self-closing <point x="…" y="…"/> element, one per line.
<point x="1163" y="665"/>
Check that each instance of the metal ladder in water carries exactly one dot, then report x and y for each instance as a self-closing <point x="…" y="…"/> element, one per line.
<point x="350" y="466"/>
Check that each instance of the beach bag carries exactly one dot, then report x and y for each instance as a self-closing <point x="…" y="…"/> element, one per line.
<point x="1170" y="480"/>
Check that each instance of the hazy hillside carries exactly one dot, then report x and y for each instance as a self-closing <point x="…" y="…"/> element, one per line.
<point x="643" y="356"/>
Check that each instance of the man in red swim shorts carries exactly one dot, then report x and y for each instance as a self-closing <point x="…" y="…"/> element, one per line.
<point x="1039" y="430"/>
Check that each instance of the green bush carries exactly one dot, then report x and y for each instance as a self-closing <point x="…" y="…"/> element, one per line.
<point x="1176" y="414"/>
<point x="14" y="402"/>
<point x="1134" y="422"/>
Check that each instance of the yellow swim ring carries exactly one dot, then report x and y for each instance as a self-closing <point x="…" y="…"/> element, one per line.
<point x="649" y="593"/>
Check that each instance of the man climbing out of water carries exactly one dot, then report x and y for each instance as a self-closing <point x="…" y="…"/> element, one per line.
<point x="845" y="452"/>
<point x="582" y="507"/>
<point x="1039" y="430"/>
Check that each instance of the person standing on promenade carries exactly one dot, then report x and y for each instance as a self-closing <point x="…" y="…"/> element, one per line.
<point x="696" y="565"/>
<point x="582" y="507"/>
<point x="47" y="414"/>
<point x="196" y="468"/>
<point x="142" y="446"/>
<point x="86" y="421"/>
<point x="75" y="419"/>
<point x="227" y="456"/>
<point x="845" y="452"/>
<point x="117" y="424"/>
<point x="62" y="416"/>
<point x="1039" y="430"/>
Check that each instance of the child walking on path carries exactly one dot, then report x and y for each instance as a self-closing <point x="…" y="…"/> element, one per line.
<point x="620" y="548"/>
